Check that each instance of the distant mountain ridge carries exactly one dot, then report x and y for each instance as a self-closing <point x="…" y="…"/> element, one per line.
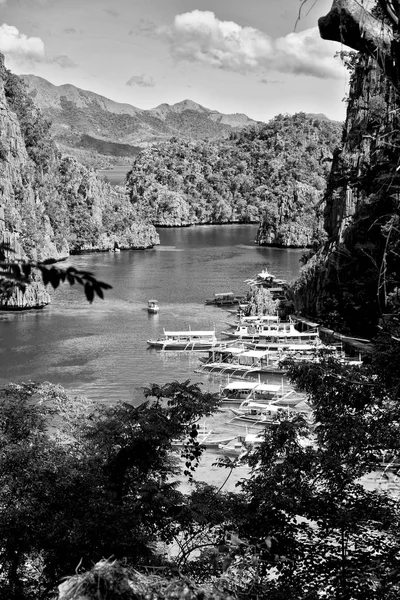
<point x="76" y="113"/>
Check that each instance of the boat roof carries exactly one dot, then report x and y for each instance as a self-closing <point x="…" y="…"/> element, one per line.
<point x="224" y="294"/>
<point x="272" y="407"/>
<point x="267" y="387"/>
<point x="254" y="353"/>
<point x="301" y="347"/>
<point x="152" y="301"/>
<point x="252" y="438"/>
<point x="241" y="385"/>
<point x="229" y="350"/>
<point x="191" y="332"/>
<point x="251" y="318"/>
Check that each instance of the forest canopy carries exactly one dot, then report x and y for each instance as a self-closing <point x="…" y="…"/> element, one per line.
<point x="272" y="172"/>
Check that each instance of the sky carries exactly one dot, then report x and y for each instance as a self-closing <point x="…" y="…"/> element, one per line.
<point x="235" y="56"/>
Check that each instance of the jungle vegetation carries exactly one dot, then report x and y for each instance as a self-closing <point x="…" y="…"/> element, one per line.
<point x="273" y="172"/>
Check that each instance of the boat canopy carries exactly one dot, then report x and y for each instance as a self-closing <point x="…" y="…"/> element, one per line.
<point x="251" y="318"/>
<point x="253" y="438"/>
<point x="263" y="407"/>
<point x="241" y="385"/>
<point x="230" y="350"/>
<point x="190" y="333"/>
<point x="224" y="295"/>
<point x="254" y="353"/>
<point x="267" y="387"/>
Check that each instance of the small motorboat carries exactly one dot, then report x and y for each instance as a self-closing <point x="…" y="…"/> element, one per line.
<point x="152" y="306"/>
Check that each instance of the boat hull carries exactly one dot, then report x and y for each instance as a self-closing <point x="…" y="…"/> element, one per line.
<point x="171" y="345"/>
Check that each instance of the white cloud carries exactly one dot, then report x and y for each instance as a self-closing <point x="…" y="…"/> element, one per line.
<point x="18" y="46"/>
<point x="199" y="36"/>
<point x="141" y="80"/>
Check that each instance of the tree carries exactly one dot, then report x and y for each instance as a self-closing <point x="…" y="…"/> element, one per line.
<point x="80" y="482"/>
<point x="310" y="516"/>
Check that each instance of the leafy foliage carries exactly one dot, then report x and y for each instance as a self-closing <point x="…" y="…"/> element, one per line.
<point x="352" y="281"/>
<point x="79" y="483"/>
<point x="35" y="128"/>
<point x="273" y="172"/>
<point x="18" y="274"/>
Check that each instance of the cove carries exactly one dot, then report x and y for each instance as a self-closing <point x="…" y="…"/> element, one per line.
<point x="100" y="350"/>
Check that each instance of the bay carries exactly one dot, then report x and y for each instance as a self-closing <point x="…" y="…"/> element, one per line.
<point x="100" y="350"/>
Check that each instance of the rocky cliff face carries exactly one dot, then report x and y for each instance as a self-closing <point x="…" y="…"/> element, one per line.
<point x="352" y="280"/>
<point x="50" y="206"/>
<point x="19" y="204"/>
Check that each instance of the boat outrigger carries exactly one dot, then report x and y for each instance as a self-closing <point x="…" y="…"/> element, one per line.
<point x="185" y="340"/>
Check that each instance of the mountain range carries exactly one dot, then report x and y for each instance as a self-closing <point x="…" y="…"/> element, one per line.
<point x="91" y="126"/>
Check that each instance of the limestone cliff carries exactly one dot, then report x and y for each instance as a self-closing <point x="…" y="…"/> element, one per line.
<point x="51" y="206"/>
<point x="352" y="280"/>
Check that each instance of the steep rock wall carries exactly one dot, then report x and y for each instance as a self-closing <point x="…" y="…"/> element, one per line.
<point x="50" y="206"/>
<point x="349" y="282"/>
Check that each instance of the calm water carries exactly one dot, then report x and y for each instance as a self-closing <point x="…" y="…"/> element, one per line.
<point x="100" y="350"/>
<point x="115" y="176"/>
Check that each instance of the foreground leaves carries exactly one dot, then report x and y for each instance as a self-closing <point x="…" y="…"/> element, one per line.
<point x="18" y="274"/>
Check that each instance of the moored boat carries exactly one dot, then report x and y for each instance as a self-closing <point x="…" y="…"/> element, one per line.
<point x="224" y="299"/>
<point x="185" y="340"/>
<point x="206" y="437"/>
<point x="240" y="361"/>
<point x="275" y="332"/>
<point x="235" y="392"/>
<point x="255" y="412"/>
<point x="265" y="279"/>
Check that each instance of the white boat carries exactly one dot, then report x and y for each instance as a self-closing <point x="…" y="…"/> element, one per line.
<point x="264" y="414"/>
<point x="185" y="340"/>
<point x="234" y="447"/>
<point x="276" y="332"/>
<point x="235" y="392"/>
<point x="241" y="446"/>
<point x="152" y="306"/>
<point x="254" y="320"/>
<point x="224" y="299"/>
<point x="279" y="395"/>
<point x="266" y="279"/>
<point x="206" y="437"/>
<point x="239" y="361"/>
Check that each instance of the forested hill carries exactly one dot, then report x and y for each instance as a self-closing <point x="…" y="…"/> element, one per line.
<point x="52" y="206"/>
<point x="99" y="131"/>
<point x="270" y="172"/>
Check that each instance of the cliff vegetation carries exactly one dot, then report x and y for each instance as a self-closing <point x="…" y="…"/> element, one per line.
<point x="274" y="173"/>
<point x="52" y="206"/>
<point x="353" y="281"/>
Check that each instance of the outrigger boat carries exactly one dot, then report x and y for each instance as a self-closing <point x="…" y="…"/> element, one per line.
<point x="185" y="340"/>
<point x="206" y="437"/>
<point x="255" y="412"/>
<point x="235" y="392"/>
<point x="266" y="279"/>
<point x="240" y="361"/>
<point x="224" y="299"/>
<point x="277" y="332"/>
